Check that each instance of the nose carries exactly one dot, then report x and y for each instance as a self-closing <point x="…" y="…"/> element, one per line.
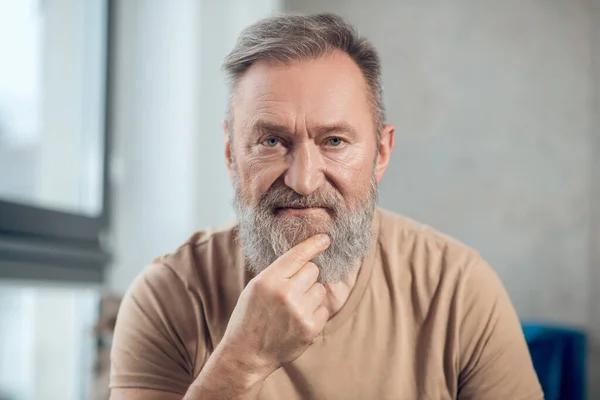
<point x="305" y="172"/>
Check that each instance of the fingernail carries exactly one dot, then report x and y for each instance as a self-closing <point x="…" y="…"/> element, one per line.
<point x="325" y="239"/>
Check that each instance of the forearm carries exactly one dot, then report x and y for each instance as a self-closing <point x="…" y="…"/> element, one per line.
<point x="228" y="374"/>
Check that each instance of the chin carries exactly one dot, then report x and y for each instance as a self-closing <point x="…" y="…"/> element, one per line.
<point x="296" y="228"/>
<point x="305" y="221"/>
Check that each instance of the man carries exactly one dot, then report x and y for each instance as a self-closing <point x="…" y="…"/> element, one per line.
<point x="315" y="293"/>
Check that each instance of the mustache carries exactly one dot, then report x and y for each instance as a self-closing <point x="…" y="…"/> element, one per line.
<point x="281" y="196"/>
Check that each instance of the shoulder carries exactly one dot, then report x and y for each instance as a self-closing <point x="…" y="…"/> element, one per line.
<point x="207" y="257"/>
<point x="427" y="257"/>
<point x="208" y="270"/>
<point x="191" y="268"/>
<point x="420" y="242"/>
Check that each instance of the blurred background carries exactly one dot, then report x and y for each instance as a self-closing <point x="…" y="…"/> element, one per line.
<point x="111" y="154"/>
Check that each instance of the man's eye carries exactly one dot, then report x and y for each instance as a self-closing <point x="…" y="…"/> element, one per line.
<point x="271" y="142"/>
<point x="335" y="141"/>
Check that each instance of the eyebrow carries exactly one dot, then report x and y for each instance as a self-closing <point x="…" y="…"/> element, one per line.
<point x="320" y="130"/>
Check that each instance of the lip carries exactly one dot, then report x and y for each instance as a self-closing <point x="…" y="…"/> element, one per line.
<point x="301" y="211"/>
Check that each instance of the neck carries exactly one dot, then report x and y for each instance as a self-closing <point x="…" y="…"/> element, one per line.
<point x="338" y="293"/>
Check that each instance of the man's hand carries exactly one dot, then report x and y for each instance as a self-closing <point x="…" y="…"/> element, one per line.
<point x="280" y="312"/>
<point x="277" y="316"/>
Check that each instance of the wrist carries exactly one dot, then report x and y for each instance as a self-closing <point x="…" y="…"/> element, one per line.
<point x="242" y="361"/>
<point x="230" y="372"/>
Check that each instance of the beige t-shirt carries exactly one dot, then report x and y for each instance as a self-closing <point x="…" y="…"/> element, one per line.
<point x="427" y="319"/>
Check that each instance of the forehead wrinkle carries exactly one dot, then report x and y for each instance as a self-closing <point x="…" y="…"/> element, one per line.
<point x="267" y="116"/>
<point x="268" y="113"/>
<point x="258" y="110"/>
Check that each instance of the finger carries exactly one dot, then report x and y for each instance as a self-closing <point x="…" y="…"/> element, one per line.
<point x="314" y="296"/>
<point x="304" y="279"/>
<point x="320" y="318"/>
<point x="295" y="258"/>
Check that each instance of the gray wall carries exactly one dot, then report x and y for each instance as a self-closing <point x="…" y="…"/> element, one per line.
<point x="496" y="144"/>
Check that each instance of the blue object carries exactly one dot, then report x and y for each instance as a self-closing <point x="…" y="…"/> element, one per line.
<point x="559" y="358"/>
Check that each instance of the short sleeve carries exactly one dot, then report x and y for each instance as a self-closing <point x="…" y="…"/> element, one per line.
<point x="157" y="336"/>
<point x="494" y="358"/>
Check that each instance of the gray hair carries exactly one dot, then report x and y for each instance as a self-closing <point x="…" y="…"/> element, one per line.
<point x="287" y="38"/>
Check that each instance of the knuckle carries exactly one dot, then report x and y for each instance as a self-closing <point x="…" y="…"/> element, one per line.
<point x="283" y="297"/>
<point x="320" y="290"/>
<point x="296" y="254"/>
<point x="310" y="272"/>
<point x="260" y="284"/>
<point x="307" y="332"/>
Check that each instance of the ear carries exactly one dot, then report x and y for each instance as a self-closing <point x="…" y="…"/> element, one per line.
<point x="386" y="144"/>
<point x="228" y="159"/>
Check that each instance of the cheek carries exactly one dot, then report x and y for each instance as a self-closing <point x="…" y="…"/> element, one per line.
<point x="257" y="176"/>
<point x="352" y="175"/>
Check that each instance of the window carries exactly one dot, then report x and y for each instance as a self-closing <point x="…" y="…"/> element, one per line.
<point x="51" y="104"/>
<point x="53" y="142"/>
<point x="54" y="64"/>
